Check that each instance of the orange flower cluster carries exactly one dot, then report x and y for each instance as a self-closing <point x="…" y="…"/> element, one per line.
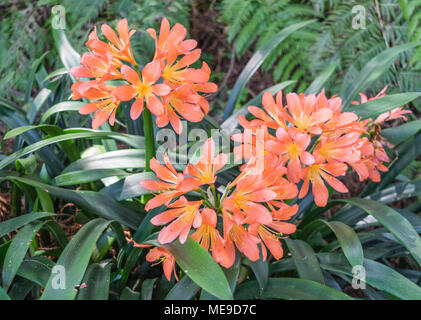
<point x="167" y="85"/>
<point x="252" y="209"/>
<point x="314" y="141"/>
<point x="307" y="141"/>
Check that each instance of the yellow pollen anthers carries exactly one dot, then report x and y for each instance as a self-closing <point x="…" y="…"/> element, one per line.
<point x="144" y="89"/>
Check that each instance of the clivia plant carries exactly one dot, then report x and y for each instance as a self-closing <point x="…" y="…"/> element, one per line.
<point x="245" y="223"/>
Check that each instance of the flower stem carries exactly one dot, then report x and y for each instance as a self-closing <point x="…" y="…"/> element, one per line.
<point x="149" y="138"/>
<point x="150" y="151"/>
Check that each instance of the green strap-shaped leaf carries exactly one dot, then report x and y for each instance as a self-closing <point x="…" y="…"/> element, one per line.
<point x="17" y="251"/>
<point x="129" y="187"/>
<point x="185" y="289"/>
<point x="348" y="239"/>
<point x="400" y="134"/>
<point x="261" y="271"/>
<point x="36" y="269"/>
<point x="376" y="107"/>
<point x="376" y="274"/>
<point x="15" y="223"/>
<point x="74" y="261"/>
<point x="392" y="221"/>
<point x="88" y="200"/>
<point x="120" y="159"/>
<point x="371" y="71"/>
<point x="199" y="265"/>
<point x="84" y="176"/>
<point x="97" y="280"/>
<point x="69" y="57"/>
<point x="147" y="289"/>
<point x="317" y="85"/>
<point x="290" y="289"/>
<point x="129" y="294"/>
<point x="61" y="107"/>
<point x="305" y="260"/>
<point x="3" y="294"/>
<point x="134" y="141"/>
<point x="256" y="61"/>
<point x="232" y="274"/>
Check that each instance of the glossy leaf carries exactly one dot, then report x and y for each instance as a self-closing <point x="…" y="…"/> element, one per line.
<point x="394" y="222"/>
<point x="305" y="260"/>
<point x="74" y="259"/>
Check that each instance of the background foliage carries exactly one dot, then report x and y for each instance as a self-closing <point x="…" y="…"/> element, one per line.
<point x="70" y="195"/>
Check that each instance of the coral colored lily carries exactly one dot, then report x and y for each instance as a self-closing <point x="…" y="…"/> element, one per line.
<point x="143" y="90"/>
<point x="292" y="147"/>
<point x="171" y="37"/>
<point x="185" y="215"/>
<point x="304" y="116"/>
<point x="172" y="185"/>
<point x="161" y="255"/>
<point x="317" y="174"/>
<point x="105" y="105"/>
<point x="207" y="166"/>
<point x="208" y="237"/>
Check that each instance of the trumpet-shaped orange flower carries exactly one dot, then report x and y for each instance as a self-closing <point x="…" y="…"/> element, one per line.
<point x="206" y="168"/>
<point x="304" y="116"/>
<point x="96" y="66"/>
<point x="143" y="90"/>
<point x="342" y="149"/>
<point x="171" y="37"/>
<point x="185" y="215"/>
<point x="177" y="72"/>
<point x="182" y="101"/>
<point x="270" y="235"/>
<point x="172" y="185"/>
<point x="248" y="197"/>
<point x="275" y="114"/>
<point x="120" y="45"/>
<point x="105" y="105"/>
<point x="319" y="173"/>
<point x="292" y="147"/>
<point x="208" y="237"/>
<point x="163" y="256"/>
<point x="235" y="233"/>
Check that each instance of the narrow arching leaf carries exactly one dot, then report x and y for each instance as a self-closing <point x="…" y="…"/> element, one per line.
<point x="256" y="61"/>
<point x="399" y="134"/>
<point x="120" y="159"/>
<point x="185" y="289"/>
<point x="376" y="107"/>
<point x="69" y="57"/>
<point x="376" y="274"/>
<point x="348" y="239"/>
<point x="74" y="260"/>
<point x="305" y="260"/>
<point x="147" y="289"/>
<point x="97" y="280"/>
<point x="84" y="176"/>
<point x="61" y="107"/>
<point x="199" y="265"/>
<point x="17" y="250"/>
<point x="394" y="222"/>
<point x="15" y="223"/>
<point x="371" y="71"/>
<point x="88" y="200"/>
<point x="261" y="271"/>
<point x="290" y="289"/>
